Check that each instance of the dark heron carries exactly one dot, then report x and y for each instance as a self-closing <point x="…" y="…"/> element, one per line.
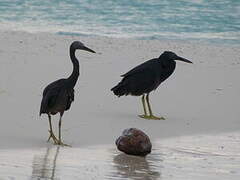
<point x="146" y="77"/>
<point x="58" y="96"/>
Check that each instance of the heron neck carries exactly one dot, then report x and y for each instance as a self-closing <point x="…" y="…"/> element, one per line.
<point x="75" y="73"/>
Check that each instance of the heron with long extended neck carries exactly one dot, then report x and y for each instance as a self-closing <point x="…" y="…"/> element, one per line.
<point x="59" y="95"/>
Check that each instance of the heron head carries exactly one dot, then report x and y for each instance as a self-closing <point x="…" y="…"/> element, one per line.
<point x="80" y="45"/>
<point x="172" y="56"/>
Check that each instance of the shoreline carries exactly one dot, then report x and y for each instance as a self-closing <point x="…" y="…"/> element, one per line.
<point x="165" y="40"/>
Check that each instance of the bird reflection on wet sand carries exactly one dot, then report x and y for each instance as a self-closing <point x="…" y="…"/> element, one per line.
<point x="44" y="165"/>
<point x="134" y="167"/>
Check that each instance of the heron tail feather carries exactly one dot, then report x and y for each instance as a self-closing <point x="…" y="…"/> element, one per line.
<point x="120" y="90"/>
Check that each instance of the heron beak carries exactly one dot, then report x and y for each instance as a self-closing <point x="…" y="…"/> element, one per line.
<point x="88" y="49"/>
<point x="183" y="59"/>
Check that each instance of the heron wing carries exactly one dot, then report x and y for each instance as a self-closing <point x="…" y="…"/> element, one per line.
<point x="50" y="95"/>
<point x="142" y="81"/>
<point x="142" y="67"/>
<point x="70" y="98"/>
<point x="54" y="85"/>
<point x="49" y="99"/>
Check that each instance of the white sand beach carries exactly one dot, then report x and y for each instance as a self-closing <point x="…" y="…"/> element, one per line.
<point x="200" y="102"/>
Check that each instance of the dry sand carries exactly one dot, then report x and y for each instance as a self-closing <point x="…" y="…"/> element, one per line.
<point x="198" y="99"/>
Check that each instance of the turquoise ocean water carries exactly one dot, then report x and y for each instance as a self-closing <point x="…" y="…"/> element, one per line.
<point x="215" y="21"/>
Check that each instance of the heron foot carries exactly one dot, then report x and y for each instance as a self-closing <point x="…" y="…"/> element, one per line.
<point x="152" y="117"/>
<point x="55" y="140"/>
<point x="62" y="144"/>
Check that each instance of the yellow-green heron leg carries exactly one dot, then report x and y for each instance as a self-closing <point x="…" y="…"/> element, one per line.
<point x="59" y="128"/>
<point x="144" y="108"/>
<point x="55" y="140"/>
<point x="59" y="131"/>
<point x="151" y="116"/>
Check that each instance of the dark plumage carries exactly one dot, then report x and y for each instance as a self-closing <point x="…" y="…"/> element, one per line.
<point x="146" y="77"/>
<point x="59" y="95"/>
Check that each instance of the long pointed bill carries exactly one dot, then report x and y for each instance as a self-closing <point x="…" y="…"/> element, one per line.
<point x="88" y="49"/>
<point x="183" y="59"/>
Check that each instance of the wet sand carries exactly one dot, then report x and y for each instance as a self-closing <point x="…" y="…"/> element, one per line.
<point x="199" y="101"/>
<point x="197" y="157"/>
